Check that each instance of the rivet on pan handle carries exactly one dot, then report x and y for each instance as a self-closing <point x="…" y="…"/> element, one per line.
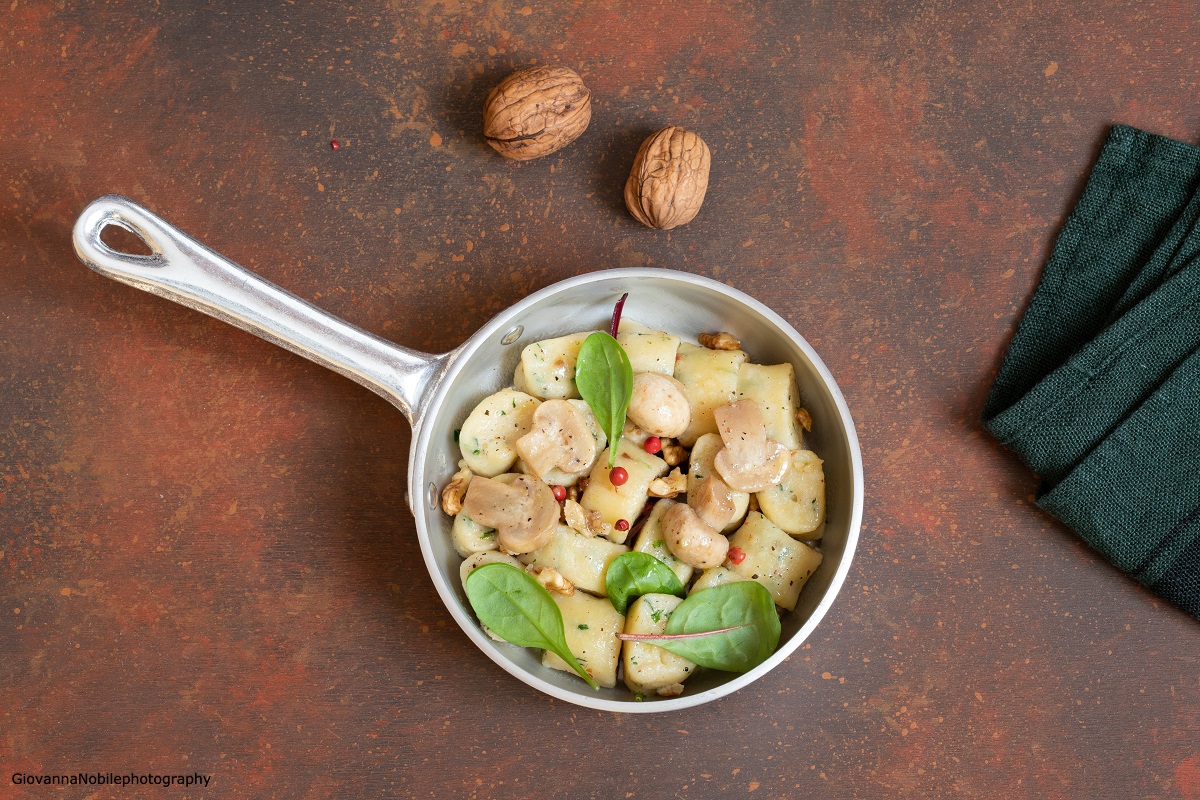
<point x="181" y="269"/>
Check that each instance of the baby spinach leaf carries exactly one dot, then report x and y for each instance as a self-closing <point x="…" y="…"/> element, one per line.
<point x="604" y="378"/>
<point x="634" y="574"/>
<point x="519" y="610"/>
<point x="732" y="627"/>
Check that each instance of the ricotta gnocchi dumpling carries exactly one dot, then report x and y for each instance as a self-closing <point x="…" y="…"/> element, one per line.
<point x="547" y="368"/>
<point x="648" y="350"/>
<point x="582" y="560"/>
<point x="591" y="625"/>
<point x="774" y="559"/>
<point x="797" y="503"/>
<point x="647" y="667"/>
<point x="488" y="437"/>
<point x="624" y="502"/>
<point x="710" y="379"/>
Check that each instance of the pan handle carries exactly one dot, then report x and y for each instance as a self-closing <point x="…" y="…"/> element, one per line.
<point x="181" y="269"/>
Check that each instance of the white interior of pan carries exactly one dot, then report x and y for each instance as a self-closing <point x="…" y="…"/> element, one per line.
<point x="684" y="305"/>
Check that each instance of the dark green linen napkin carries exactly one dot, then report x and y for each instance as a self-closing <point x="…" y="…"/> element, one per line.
<point x="1100" y="390"/>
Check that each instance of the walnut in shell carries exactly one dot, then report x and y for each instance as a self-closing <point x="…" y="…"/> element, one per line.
<point x="535" y="111"/>
<point x="669" y="178"/>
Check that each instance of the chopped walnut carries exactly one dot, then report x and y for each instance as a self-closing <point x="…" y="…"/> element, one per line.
<point x="673" y="453"/>
<point x="552" y="579"/>
<point x="456" y="489"/>
<point x="753" y="504"/>
<point x="805" y="419"/>
<point x="582" y="483"/>
<point x="720" y="341"/>
<point x="670" y="486"/>
<point x="573" y="493"/>
<point x="671" y="690"/>
<point x="583" y="521"/>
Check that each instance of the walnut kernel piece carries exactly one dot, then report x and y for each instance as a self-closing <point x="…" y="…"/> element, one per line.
<point x="670" y="486"/>
<point x="805" y="419"/>
<point x="535" y="111"/>
<point x="552" y="579"/>
<point x="669" y="178"/>
<point x="585" y="522"/>
<point x="452" y="495"/>
<point x="720" y="341"/>
<point x="670" y="690"/>
<point x="752" y="506"/>
<point x="673" y="453"/>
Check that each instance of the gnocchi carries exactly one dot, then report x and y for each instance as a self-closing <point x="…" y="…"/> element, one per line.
<point x="563" y="452"/>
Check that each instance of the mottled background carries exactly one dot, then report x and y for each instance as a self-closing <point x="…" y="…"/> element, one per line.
<point x="206" y="563"/>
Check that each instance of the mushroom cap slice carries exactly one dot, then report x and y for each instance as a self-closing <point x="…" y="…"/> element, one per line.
<point x="659" y="404"/>
<point x="749" y="462"/>
<point x="754" y="477"/>
<point x="690" y="540"/>
<point x="713" y="502"/>
<point x="524" y="513"/>
<point x="560" y="438"/>
<point x="743" y="431"/>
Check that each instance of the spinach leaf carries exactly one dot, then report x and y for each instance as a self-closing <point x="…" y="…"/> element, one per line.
<point x="634" y="574"/>
<point x="732" y="627"/>
<point x="604" y="378"/>
<point x="519" y="610"/>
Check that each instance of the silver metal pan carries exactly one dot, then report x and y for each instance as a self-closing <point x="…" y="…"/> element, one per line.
<point x="437" y="392"/>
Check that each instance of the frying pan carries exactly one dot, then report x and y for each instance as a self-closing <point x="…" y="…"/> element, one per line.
<point x="437" y="392"/>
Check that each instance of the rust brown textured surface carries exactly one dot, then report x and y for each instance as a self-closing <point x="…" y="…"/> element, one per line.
<point x="206" y="563"/>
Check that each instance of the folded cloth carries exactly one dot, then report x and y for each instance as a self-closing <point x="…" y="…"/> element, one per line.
<point x="1100" y="390"/>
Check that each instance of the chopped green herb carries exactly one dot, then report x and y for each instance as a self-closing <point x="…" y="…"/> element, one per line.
<point x="457" y="431"/>
<point x="583" y="626"/>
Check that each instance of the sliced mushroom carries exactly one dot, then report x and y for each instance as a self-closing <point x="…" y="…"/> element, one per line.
<point x="659" y="404"/>
<point x="692" y="541"/>
<point x="713" y="502"/>
<point x="749" y="462"/>
<point x="524" y="512"/>
<point x="560" y="438"/>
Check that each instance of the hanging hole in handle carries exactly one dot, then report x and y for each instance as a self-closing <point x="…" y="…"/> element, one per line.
<point x="124" y="240"/>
